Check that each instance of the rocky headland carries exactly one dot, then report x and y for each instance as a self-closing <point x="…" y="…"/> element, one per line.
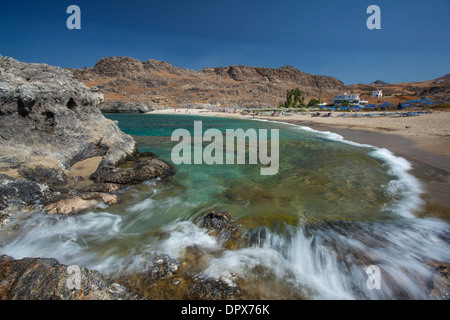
<point x="56" y="144"/>
<point x="59" y="155"/>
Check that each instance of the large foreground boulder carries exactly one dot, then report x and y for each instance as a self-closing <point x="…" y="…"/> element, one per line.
<point x="53" y="136"/>
<point x="48" y="118"/>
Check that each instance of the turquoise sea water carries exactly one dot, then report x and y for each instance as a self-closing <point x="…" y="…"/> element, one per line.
<point x="318" y="177"/>
<point x="334" y="208"/>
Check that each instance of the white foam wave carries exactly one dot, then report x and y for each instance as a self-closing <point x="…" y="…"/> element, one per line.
<point x="184" y="234"/>
<point x="405" y="186"/>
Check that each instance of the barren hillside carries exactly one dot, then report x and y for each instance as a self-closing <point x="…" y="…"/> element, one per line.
<point x="158" y="84"/>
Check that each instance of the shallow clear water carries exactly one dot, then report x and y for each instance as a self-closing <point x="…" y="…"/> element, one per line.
<point x="333" y="209"/>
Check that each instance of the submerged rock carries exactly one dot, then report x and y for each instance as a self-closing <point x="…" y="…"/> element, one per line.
<point x="225" y="226"/>
<point x="46" y="279"/>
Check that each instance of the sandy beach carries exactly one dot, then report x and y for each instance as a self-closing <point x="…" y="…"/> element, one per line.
<point x="429" y="132"/>
<point x="424" y="140"/>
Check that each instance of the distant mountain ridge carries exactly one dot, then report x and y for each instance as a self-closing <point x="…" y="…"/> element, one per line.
<point x="158" y="84"/>
<point x="437" y="90"/>
<point x="129" y="84"/>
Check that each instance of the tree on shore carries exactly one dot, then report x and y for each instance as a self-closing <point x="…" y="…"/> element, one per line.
<point x="313" y="102"/>
<point x="294" y="99"/>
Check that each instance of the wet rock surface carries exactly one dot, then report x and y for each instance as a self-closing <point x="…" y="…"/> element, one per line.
<point x="440" y="287"/>
<point x="46" y="279"/>
<point x="78" y="204"/>
<point x="161" y="276"/>
<point x="171" y="279"/>
<point x="223" y="225"/>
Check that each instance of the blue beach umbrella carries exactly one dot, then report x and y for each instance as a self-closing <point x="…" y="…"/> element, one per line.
<point x="371" y="106"/>
<point x="345" y="107"/>
<point x="332" y="108"/>
<point x="357" y="107"/>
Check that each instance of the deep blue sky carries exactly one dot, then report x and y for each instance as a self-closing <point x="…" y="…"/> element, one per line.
<point x="326" y="37"/>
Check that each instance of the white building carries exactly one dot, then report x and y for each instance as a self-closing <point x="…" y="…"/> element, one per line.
<point x="350" y="98"/>
<point x="377" y="94"/>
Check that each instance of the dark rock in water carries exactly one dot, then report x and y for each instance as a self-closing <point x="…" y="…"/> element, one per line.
<point x="154" y="278"/>
<point x="162" y="277"/>
<point x="215" y="220"/>
<point x="46" y="279"/>
<point x="224" y="224"/>
<point x="53" y="137"/>
<point x="257" y="236"/>
<point x="150" y="169"/>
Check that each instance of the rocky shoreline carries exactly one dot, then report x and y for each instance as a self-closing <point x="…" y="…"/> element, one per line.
<point x="60" y="155"/>
<point x="166" y="278"/>
<point x="57" y="146"/>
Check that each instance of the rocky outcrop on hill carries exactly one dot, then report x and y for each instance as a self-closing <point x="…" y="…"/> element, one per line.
<point x="379" y="82"/>
<point x="157" y="84"/>
<point x="117" y="106"/>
